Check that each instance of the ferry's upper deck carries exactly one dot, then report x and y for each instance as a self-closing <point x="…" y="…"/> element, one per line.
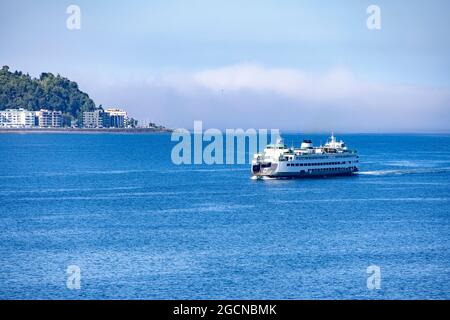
<point x="279" y="151"/>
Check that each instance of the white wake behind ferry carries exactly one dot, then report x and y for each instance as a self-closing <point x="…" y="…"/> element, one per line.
<point x="331" y="159"/>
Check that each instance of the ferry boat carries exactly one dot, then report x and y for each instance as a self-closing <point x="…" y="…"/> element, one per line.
<point x="331" y="159"/>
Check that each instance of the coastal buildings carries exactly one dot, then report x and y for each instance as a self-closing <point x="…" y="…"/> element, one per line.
<point x="49" y="119"/>
<point x="17" y="118"/>
<point x="109" y="118"/>
<point x="95" y="119"/>
<point x="21" y="118"/>
<point x="98" y="119"/>
<point x="117" y="118"/>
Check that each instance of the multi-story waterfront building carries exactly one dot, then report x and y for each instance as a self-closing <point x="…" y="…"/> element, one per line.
<point x="96" y="119"/>
<point x="109" y="118"/>
<point x="117" y="118"/>
<point x="49" y="119"/>
<point x="17" y="118"/>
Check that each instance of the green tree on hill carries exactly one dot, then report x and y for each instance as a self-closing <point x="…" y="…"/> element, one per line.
<point x="18" y="90"/>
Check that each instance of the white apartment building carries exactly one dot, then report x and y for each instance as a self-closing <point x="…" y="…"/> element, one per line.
<point x="49" y="119"/>
<point x="95" y="119"/>
<point x="17" y="118"/>
<point x="118" y="118"/>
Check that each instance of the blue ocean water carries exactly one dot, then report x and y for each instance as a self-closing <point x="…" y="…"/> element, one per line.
<point x="140" y="227"/>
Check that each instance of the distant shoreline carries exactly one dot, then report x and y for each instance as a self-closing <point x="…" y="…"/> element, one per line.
<point x="82" y="130"/>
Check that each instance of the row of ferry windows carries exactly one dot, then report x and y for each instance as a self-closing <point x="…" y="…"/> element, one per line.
<point x="315" y="164"/>
<point x="331" y="169"/>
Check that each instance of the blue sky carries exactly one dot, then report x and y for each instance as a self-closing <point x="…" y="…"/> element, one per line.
<point x="299" y="65"/>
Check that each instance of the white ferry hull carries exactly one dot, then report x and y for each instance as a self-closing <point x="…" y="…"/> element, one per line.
<point x="304" y="174"/>
<point x="277" y="170"/>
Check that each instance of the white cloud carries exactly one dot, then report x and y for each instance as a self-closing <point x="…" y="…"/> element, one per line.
<point x="288" y="82"/>
<point x="251" y="95"/>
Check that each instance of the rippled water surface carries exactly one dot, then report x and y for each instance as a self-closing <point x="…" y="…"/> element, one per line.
<point x="140" y="227"/>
